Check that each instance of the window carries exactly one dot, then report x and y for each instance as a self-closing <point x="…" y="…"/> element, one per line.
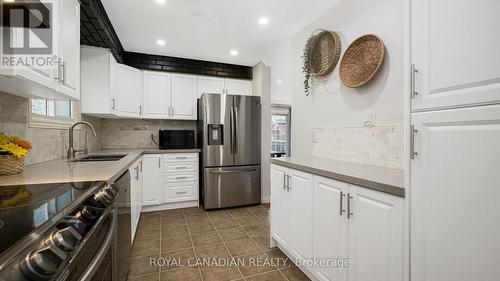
<point x="58" y="114"/>
<point x="280" y="131"/>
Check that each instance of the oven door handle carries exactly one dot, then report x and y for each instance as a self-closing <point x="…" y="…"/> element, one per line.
<point x="101" y="254"/>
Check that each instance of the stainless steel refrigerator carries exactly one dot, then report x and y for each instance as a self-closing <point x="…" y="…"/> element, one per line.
<point x="229" y="135"/>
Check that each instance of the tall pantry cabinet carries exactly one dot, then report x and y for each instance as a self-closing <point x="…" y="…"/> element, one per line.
<point x="455" y="140"/>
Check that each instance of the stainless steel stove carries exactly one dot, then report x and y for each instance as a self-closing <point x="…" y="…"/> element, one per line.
<point x="63" y="231"/>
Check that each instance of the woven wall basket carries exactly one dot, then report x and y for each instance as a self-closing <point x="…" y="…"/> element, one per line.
<point x="362" y="60"/>
<point x="10" y="164"/>
<point x="325" y="52"/>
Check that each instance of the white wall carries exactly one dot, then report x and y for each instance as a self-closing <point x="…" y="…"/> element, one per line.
<point x="333" y="105"/>
<point x="279" y="59"/>
<point x="262" y="87"/>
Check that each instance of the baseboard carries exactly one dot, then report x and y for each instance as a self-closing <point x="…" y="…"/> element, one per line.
<point x="170" y="206"/>
<point x="265" y="199"/>
<point x="307" y="271"/>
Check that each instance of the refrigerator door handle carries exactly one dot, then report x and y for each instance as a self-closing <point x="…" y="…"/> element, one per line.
<point x="235" y="139"/>
<point x="232" y="126"/>
<point x="233" y="171"/>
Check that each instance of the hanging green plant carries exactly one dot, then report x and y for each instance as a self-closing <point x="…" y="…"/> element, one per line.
<point x="306" y="67"/>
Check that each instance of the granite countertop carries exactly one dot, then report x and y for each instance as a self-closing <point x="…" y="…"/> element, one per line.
<point x="62" y="170"/>
<point x="382" y="179"/>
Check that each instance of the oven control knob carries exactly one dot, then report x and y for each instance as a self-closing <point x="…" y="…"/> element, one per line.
<point x="42" y="264"/>
<point x="65" y="239"/>
<point x="113" y="188"/>
<point x="86" y="215"/>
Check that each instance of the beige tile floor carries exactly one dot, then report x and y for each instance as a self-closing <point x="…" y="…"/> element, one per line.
<point x="187" y="234"/>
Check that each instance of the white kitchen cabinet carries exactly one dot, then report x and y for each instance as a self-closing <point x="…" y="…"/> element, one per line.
<point x="126" y="99"/>
<point x="375" y="235"/>
<point x="156" y="95"/>
<point x="455" y="194"/>
<point x="69" y="50"/>
<point x="330" y="226"/>
<point x="316" y="218"/>
<point x="181" y="183"/>
<point x="210" y="85"/>
<point x="452" y="72"/>
<point x="224" y="86"/>
<point x="153" y="180"/>
<point x="136" y="185"/>
<point x="238" y="87"/>
<point x="61" y="80"/>
<point x="280" y="204"/>
<point x="109" y="89"/>
<point x="184" y="94"/>
<point x="300" y="189"/>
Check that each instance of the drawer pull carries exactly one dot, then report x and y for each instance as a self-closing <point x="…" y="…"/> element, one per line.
<point x="180" y="168"/>
<point x="180" y="178"/>
<point x="180" y="158"/>
<point x="181" y="192"/>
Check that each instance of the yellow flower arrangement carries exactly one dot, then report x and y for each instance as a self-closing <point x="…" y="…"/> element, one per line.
<point x="14" y="145"/>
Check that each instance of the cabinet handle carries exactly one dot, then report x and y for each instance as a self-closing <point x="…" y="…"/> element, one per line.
<point x="413" y="131"/>
<point x="288" y="187"/>
<point x="140" y="109"/>
<point x="349" y="213"/>
<point x="113" y="104"/>
<point x="58" y="78"/>
<point x="180" y="168"/>
<point x="63" y="68"/>
<point x="180" y="178"/>
<point x="181" y="158"/>
<point x="140" y="163"/>
<point x="159" y="162"/>
<point x="342" y="195"/>
<point x="181" y="192"/>
<point x="284" y="181"/>
<point x="414" y="71"/>
<point x="136" y="172"/>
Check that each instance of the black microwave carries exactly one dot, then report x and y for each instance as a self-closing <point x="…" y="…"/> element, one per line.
<point x="177" y="139"/>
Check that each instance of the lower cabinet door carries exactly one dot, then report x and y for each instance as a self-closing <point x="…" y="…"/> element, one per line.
<point x="301" y="215"/>
<point x="330" y="231"/>
<point x="279" y="205"/>
<point x="152" y="191"/>
<point x="375" y="236"/>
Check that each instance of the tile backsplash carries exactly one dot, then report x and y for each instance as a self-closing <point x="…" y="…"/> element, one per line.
<point x="380" y="146"/>
<point x="136" y="133"/>
<point x="48" y="144"/>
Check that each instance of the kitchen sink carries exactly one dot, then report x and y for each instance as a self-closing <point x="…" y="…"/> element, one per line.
<point x="96" y="158"/>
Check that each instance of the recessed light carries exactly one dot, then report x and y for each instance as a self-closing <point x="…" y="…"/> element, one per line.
<point x="263" y="21"/>
<point x="279" y="81"/>
<point x="161" y="1"/>
<point x="160" y="42"/>
<point x="233" y="53"/>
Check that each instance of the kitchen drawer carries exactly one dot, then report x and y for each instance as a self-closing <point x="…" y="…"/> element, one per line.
<point x="180" y="167"/>
<point x="180" y="191"/>
<point x="181" y="157"/>
<point x="178" y="177"/>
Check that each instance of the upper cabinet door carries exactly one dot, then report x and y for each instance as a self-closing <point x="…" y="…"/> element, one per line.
<point x="238" y="87"/>
<point x="127" y="92"/>
<point x="210" y="85"/>
<point x="375" y="236"/>
<point x="156" y="94"/>
<point x="184" y="93"/>
<point x="330" y="232"/>
<point x="453" y="70"/>
<point x="69" y="48"/>
<point x="455" y="195"/>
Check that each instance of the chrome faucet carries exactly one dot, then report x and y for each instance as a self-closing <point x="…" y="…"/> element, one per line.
<point x="71" y="150"/>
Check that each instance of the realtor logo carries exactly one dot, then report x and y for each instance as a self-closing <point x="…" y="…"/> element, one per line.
<point x="26" y="28"/>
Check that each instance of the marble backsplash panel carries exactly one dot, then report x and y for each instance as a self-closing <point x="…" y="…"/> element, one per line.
<point x="136" y="133"/>
<point x="380" y="146"/>
<point x="48" y="144"/>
